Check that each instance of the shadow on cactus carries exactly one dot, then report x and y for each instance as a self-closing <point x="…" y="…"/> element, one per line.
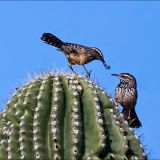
<point x="58" y="116"/>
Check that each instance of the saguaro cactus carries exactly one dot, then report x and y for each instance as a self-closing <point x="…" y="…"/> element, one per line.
<point x="65" y="117"/>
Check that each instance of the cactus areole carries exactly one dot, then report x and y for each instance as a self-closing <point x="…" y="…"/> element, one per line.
<point x="58" y="117"/>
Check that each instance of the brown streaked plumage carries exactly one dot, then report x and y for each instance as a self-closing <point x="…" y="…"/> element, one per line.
<point x="75" y="53"/>
<point x="126" y="95"/>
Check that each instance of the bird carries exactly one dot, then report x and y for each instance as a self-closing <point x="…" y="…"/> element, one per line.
<point x="75" y="53"/>
<point x="126" y="95"/>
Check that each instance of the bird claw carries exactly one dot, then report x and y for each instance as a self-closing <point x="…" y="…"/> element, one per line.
<point x="74" y="73"/>
<point x="108" y="67"/>
<point x="115" y="102"/>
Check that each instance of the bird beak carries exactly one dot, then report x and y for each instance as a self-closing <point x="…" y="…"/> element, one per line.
<point x="117" y="75"/>
<point x="105" y="64"/>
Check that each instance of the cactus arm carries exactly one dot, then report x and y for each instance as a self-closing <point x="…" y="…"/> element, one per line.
<point x="18" y="109"/>
<point x="26" y="122"/>
<point x="135" y="147"/>
<point x="93" y="122"/>
<point x="57" y="120"/>
<point x="3" y="149"/>
<point x="116" y="136"/>
<point x="9" y="114"/>
<point x="118" y="143"/>
<point x="13" y="145"/>
<point x="73" y="131"/>
<point x="4" y="130"/>
<point x="41" y="119"/>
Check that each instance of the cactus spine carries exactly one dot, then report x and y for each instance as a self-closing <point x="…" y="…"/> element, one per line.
<point x="65" y="117"/>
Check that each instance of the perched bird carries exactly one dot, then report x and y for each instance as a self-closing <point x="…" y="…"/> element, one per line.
<point x="126" y="95"/>
<point x="75" y="53"/>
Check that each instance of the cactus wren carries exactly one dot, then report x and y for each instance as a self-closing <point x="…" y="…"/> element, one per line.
<point x="126" y="95"/>
<point x="75" y="53"/>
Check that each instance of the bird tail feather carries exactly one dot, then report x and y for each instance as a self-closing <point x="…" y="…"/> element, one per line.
<point x="132" y="118"/>
<point x="52" y="40"/>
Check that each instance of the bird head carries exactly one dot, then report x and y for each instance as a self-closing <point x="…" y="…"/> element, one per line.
<point x="126" y="78"/>
<point x="98" y="55"/>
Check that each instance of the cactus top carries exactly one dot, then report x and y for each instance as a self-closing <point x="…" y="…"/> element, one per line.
<point x="65" y="117"/>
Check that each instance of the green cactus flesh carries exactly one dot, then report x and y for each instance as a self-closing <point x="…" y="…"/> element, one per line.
<point x="65" y="117"/>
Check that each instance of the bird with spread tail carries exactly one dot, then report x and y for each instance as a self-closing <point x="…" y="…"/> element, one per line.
<point x="75" y="53"/>
<point x="126" y="95"/>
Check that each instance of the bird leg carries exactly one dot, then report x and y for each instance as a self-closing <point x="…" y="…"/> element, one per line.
<point x="88" y="74"/>
<point x="70" y="66"/>
<point x="129" y="116"/>
<point x="131" y="121"/>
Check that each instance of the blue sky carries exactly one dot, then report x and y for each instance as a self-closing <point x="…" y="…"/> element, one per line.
<point x="128" y="34"/>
